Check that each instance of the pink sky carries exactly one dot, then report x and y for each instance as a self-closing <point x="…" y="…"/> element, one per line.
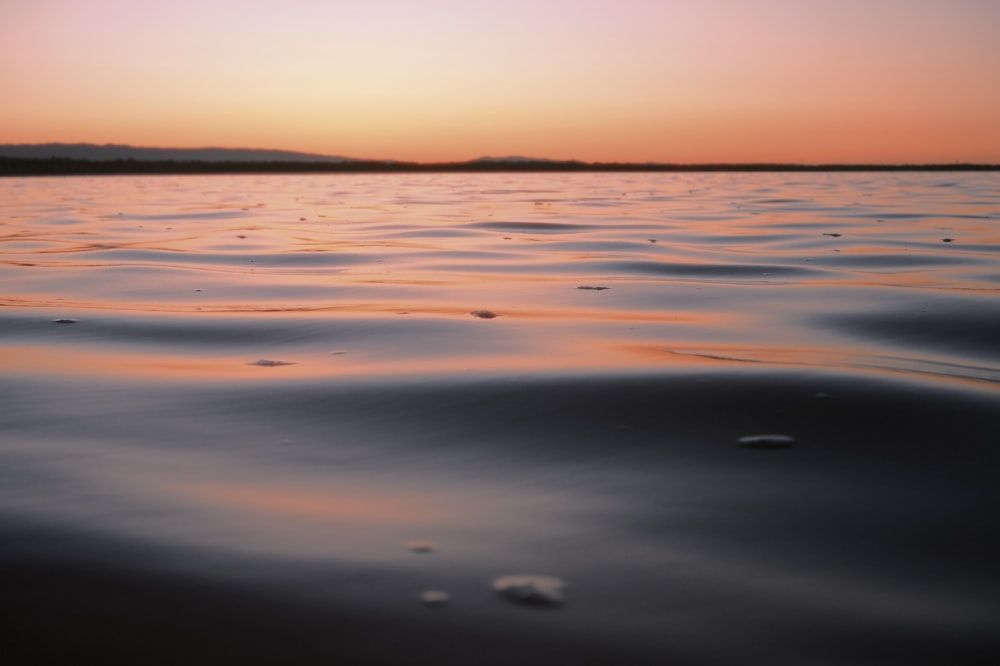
<point x="597" y="80"/>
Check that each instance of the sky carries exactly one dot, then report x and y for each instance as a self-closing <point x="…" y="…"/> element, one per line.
<point x="816" y="81"/>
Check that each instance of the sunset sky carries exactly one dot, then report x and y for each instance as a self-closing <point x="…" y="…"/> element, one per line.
<point x="430" y="80"/>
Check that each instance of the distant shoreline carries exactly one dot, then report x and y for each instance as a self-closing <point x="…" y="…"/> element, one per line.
<point x="63" y="166"/>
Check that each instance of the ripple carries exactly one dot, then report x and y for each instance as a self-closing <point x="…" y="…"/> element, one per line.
<point x="421" y="546"/>
<point x="710" y="270"/>
<point x="435" y="598"/>
<point x="530" y="589"/>
<point x="532" y="227"/>
<point x="967" y="327"/>
<point x="767" y="441"/>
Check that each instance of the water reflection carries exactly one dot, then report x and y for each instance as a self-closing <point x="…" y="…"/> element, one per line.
<point x="277" y="381"/>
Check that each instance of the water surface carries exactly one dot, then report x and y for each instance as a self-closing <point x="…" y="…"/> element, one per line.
<point x="264" y="387"/>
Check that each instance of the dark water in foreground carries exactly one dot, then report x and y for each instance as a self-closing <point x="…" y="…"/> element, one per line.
<point x="268" y="387"/>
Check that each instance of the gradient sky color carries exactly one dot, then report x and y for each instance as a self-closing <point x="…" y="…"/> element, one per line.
<point x="429" y="80"/>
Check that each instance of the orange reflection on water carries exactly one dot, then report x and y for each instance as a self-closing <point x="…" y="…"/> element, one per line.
<point x="839" y="358"/>
<point x="431" y="338"/>
<point x="729" y="354"/>
<point x="90" y="362"/>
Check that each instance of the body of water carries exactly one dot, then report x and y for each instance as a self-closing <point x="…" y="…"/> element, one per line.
<point x="253" y="419"/>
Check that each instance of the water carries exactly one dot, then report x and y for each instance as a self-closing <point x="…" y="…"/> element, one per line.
<point x="267" y="386"/>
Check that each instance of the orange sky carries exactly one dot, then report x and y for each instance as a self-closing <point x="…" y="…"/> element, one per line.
<point x="597" y="80"/>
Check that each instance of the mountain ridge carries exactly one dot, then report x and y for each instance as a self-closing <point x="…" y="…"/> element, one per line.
<point x="89" y="158"/>
<point x="112" y="151"/>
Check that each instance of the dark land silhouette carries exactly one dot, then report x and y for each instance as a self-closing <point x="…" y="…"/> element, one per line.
<point x="89" y="159"/>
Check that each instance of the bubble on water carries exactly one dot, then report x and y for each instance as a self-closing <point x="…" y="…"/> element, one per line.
<point x="421" y="546"/>
<point x="530" y="589"/>
<point x="66" y="321"/>
<point x="268" y="363"/>
<point x="767" y="441"/>
<point x="484" y="314"/>
<point x="435" y="598"/>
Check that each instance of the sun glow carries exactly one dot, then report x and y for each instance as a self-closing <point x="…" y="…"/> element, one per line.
<point x="630" y="80"/>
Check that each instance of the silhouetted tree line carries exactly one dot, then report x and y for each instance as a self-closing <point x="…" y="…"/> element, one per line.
<point x="62" y="166"/>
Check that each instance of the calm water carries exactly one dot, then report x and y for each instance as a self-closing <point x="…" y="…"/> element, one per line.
<point x="262" y="388"/>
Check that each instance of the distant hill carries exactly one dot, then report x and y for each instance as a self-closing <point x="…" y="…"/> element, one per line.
<point x="108" y="152"/>
<point x="50" y="159"/>
<point x="513" y="158"/>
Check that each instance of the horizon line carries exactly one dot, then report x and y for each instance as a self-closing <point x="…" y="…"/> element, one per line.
<point x="112" y="158"/>
<point x="327" y="160"/>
